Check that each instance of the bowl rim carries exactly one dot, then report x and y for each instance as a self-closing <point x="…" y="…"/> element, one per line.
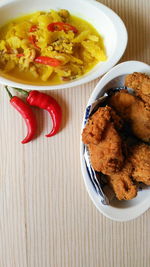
<point x="118" y="52"/>
<point x="131" y="212"/>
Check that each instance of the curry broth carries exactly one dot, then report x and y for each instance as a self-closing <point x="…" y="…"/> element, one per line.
<point x="26" y="76"/>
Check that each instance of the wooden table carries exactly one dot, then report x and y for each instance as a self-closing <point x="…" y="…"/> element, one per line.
<point x="46" y="216"/>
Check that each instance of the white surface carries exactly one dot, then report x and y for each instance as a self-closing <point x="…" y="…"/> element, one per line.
<point x="108" y="24"/>
<point x="119" y="210"/>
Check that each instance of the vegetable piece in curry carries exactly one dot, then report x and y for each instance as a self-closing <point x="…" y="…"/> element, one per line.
<point x="49" y="48"/>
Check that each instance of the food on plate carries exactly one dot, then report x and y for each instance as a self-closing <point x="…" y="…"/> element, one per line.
<point x="112" y="136"/>
<point x="104" y="142"/>
<point x="140" y="159"/>
<point x="122" y="183"/>
<point x="96" y="124"/>
<point x="49" y="48"/>
<point x="118" y="121"/>
<point x="140" y="82"/>
<point x="134" y="111"/>
<point x="136" y="167"/>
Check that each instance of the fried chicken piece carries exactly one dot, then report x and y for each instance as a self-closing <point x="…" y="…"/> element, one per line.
<point x="92" y="133"/>
<point x="140" y="82"/>
<point x="106" y="157"/>
<point x="134" y="111"/>
<point x="104" y="142"/>
<point x="118" y="121"/>
<point x="140" y="159"/>
<point x="96" y="124"/>
<point x="122" y="184"/>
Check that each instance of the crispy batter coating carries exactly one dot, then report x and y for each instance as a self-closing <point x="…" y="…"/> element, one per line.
<point x="104" y="142"/>
<point x="92" y="133"/>
<point x="107" y="157"/>
<point x="140" y="159"/>
<point x="118" y="121"/>
<point x="134" y="111"/>
<point x="140" y="82"/>
<point x="96" y="124"/>
<point x="122" y="184"/>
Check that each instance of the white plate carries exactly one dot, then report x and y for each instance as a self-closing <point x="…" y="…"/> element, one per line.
<point x="107" y="23"/>
<point x="118" y="210"/>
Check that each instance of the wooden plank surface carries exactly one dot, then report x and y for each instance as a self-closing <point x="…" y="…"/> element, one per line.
<point x="46" y="216"/>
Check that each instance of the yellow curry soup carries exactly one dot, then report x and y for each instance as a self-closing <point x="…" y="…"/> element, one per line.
<point x="49" y="48"/>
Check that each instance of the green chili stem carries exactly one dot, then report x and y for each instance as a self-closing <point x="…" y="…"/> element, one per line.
<point x="24" y="92"/>
<point x="9" y="93"/>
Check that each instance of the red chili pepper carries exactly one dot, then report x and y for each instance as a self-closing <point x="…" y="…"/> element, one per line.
<point x="33" y="40"/>
<point x="26" y="113"/>
<point x="61" y="26"/>
<point x="33" y="28"/>
<point x="20" y="55"/>
<point x="48" y="61"/>
<point x="44" y="101"/>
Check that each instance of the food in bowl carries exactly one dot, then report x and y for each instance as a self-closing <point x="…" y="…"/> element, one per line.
<point x="114" y="135"/>
<point x="49" y="48"/>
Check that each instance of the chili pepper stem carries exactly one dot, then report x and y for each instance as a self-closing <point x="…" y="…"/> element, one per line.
<point x="9" y="93"/>
<point x="24" y="92"/>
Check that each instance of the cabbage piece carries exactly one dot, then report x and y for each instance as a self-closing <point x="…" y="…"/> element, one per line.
<point x="14" y="42"/>
<point x="22" y="29"/>
<point x="93" y="38"/>
<point x="35" y="16"/>
<point x="94" y="50"/>
<point x="44" y="20"/>
<point x="55" y="16"/>
<point x="81" y="37"/>
<point x="9" y="66"/>
<point x="33" y="71"/>
<point x="3" y="45"/>
<point x="48" y="70"/>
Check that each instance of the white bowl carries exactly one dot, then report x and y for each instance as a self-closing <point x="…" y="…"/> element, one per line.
<point x="107" y="23"/>
<point x="117" y="210"/>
